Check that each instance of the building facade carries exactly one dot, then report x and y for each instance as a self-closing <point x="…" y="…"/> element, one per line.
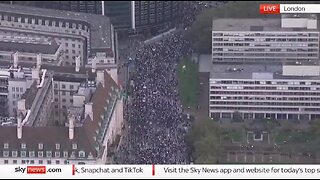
<point x="294" y="39"/>
<point x="154" y="15"/>
<point x="58" y="35"/>
<point x="265" y="91"/>
<point x="88" y="136"/>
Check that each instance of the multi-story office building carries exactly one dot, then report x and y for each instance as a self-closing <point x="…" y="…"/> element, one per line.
<point x="265" y="91"/>
<point x="94" y="121"/>
<point x="60" y="36"/>
<point x="270" y="40"/>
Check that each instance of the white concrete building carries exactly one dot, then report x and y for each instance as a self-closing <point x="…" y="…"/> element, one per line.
<point x="262" y="91"/>
<point x="269" y="40"/>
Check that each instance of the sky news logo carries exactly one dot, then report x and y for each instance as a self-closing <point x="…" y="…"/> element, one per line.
<point x="37" y="170"/>
<point x="31" y="169"/>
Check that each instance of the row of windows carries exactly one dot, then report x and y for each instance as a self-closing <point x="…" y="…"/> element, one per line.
<point x="264" y="49"/>
<point x="17" y="89"/>
<point x="268" y="54"/>
<point x="265" y="88"/>
<point x="6" y="161"/>
<point x="39" y="21"/>
<point x="233" y="108"/>
<point x="49" y="154"/>
<point x="267" y="39"/>
<point x="40" y="146"/>
<point x="64" y="93"/>
<point x="275" y="93"/>
<point x="265" y="98"/>
<point x="263" y="103"/>
<point x="268" y="34"/>
<point x="63" y="86"/>
<point x="267" y="82"/>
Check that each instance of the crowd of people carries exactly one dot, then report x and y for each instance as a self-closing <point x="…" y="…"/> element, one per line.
<point x="156" y="125"/>
<point x="155" y="112"/>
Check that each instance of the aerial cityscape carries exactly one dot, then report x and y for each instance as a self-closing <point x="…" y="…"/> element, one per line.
<point x="157" y="82"/>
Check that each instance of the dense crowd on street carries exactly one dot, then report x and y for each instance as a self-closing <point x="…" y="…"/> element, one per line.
<point x="156" y="124"/>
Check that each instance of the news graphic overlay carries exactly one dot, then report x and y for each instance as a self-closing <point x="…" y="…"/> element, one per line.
<point x="289" y="8"/>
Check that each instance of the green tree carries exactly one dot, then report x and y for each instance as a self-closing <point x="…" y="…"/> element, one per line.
<point x="205" y="141"/>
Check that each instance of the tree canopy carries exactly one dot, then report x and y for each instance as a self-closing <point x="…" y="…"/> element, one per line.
<point x="204" y="139"/>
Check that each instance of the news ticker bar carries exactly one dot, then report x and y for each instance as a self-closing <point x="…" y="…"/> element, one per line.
<point x="289" y="8"/>
<point x="160" y="171"/>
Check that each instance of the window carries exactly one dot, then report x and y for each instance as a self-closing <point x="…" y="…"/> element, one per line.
<point x="57" y="154"/>
<point x="73" y="51"/>
<point x="31" y="153"/>
<point x="23" y="161"/>
<point x="31" y="161"/>
<point x="6" y="161"/>
<point x="14" y="153"/>
<point x="63" y="93"/>
<point x="6" y="145"/>
<point x="81" y="154"/>
<point x="21" y="89"/>
<point x="14" y="161"/>
<point x="57" y="146"/>
<point x="40" y="161"/>
<point x="63" y="86"/>
<point x="66" y="44"/>
<point x="13" y="89"/>
<point x="63" y="100"/>
<point x="48" y="161"/>
<point x="73" y="45"/>
<point x="55" y="85"/>
<point x="71" y="86"/>
<point x="71" y="100"/>
<point x="66" y="162"/>
<point x="13" y="96"/>
<point x="23" y="146"/>
<point x="5" y="153"/>
<point x="40" y="146"/>
<point x="40" y="153"/>
<point x="74" y="146"/>
<point x="67" y="57"/>
<point x="49" y="154"/>
<point x="79" y="46"/>
<point x="65" y="154"/>
<point x="57" y="162"/>
<point x="23" y="153"/>
<point x="55" y="99"/>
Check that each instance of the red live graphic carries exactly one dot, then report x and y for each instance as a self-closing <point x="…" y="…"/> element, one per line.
<point x="269" y="8"/>
<point x="36" y="169"/>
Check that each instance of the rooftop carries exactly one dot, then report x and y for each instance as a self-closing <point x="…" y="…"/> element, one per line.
<point x="100" y="25"/>
<point x="237" y="71"/>
<point x="252" y="24"/>
<point x="23" y="46"/>
<point x="84" y="136"/>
